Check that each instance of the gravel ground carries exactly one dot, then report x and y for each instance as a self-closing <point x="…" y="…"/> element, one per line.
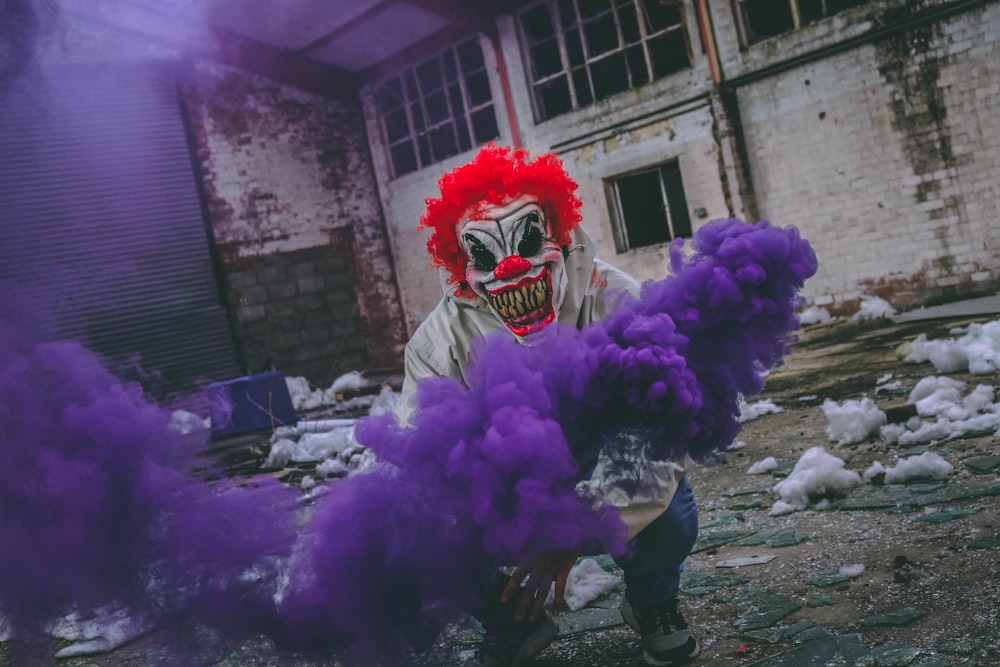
<point x="946" y="572"/>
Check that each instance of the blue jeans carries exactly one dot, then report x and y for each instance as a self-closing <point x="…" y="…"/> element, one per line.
<point x="656" y="556"/>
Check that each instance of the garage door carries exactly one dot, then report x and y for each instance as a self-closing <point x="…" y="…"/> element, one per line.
<point x="103" y="234"/>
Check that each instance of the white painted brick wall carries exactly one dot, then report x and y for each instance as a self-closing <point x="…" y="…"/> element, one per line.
<point x="687" y="138"/>
<point x="830" y="154"/>
<point x="828" y="150"/>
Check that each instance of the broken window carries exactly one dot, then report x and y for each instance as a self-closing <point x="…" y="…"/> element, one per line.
<point x="584" y="51"/>
<point x="649" y="207"/>
<point x="441" y="107"/>
<point x="761" y="19"/>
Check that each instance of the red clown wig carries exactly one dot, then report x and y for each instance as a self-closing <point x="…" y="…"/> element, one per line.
<point x="494" y="177"/>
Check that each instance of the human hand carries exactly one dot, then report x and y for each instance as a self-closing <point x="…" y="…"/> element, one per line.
<point x="547" y="569"/>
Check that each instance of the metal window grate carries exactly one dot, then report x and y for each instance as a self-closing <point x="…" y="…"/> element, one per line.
<point x="584" y="51"/>
<point x="439" y="108"/>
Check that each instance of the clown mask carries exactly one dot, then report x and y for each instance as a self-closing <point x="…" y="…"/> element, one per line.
<point x="514" y="264"/>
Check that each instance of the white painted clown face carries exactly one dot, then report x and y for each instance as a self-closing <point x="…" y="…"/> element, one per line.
<point x="514" y="264"/>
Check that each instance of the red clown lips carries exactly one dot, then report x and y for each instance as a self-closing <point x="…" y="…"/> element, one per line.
<point x="525" y="307"/>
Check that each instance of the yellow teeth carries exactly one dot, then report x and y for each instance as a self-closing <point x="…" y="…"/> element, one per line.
<point x="519" y="301"/>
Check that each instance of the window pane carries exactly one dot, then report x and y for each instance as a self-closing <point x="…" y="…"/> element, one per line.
<point x="484" y="125"/>
<point x="443" y="142"/>
<point x="574" y="48"/>
<point x="609" y="76"/>
<point x="411" y="85"/>
<point x="553" y="97"/>
<point x="637" y="66"/>
<point x="464" y="140"/>
<point x="601" y="34"/>
<point x="418" y="117"/>
<point x="403" y="159"/>
<point x="834" y="6"/>
<point x="396" y="126"/>
<point x="676" y="202"/>
<point x="660" y="16"/>
<point x="630" y="24"/>
<point x="457" y="104"/>
<point x="766" y="18"/>
<point x="810" y="10"/>
<point x="470" y="56"/>
<point x="643" y="209"/>
<point x="669" y="54"/>
<point x="448" y="63"/>
<point x="429" y="76"/>
<point x="545" y="58"/>
<point x="591" y="8"/>
<point x="537" y="24"/>
<point x="425" y="150"/>
<point x="478" y="87"/>
<point x="567" y="13"/>
<point x="581" y="85"/>
<point x="437" y="107"/>
<point x="390" y="95"/>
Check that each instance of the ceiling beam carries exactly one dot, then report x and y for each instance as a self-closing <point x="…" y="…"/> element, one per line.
<point x="455" y="10"/>
<point x="345" y="28"/>
<point x="422" y="50"/>
<point x="282" y="65"/>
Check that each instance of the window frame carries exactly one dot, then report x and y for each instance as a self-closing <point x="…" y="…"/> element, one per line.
<point x="568" y="68"/>
<point x="798" y="23"/>
<point x="420" y="141"/>
<point x="619" y="224"/>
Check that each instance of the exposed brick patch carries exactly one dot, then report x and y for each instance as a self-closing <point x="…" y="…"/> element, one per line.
<point x="319" y="334"/>
<point x="285" y="171"/>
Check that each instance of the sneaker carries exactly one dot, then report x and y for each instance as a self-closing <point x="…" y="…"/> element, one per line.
<point x="511" y="644"/>
<point x="666" y="639"/>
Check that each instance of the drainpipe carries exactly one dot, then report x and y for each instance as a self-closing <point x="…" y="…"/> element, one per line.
<point x="708" y="38"/>
<point x="733" y="158"/>
<point x="508" y="97"/>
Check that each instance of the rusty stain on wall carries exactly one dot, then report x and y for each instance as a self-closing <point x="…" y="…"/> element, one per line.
<point x="285" y="172"/>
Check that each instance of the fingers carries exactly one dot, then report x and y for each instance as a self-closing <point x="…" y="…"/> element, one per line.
<point x="533" y="597"/>
<point x="559" y="599"/>
<point x="516" y="577"/>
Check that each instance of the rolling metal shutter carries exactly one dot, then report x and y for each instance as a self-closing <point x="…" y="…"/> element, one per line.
<point x="102" y="235"/>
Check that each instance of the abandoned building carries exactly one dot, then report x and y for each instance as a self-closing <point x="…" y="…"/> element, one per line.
<point x="211" y="189"/>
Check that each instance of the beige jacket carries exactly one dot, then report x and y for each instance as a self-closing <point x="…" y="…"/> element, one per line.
<point x="442" y="344"/>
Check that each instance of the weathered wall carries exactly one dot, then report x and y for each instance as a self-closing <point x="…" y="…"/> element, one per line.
<point x="671" y="118"/>
<point x="688" y="137"/>
<point x="291" y="197"/>
<point x="292" y="206"/>
<point x="298" y="310"/>
<point x="883" y="152"/>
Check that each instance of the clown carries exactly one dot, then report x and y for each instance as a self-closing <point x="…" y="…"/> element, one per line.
<point x="505" y="233"/>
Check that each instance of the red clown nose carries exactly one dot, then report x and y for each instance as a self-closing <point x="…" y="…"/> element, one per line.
<point x="510" y="267"/>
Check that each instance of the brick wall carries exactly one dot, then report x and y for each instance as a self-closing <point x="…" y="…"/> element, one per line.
<point x="884" y="153"/>
<point x="292" y="198"/>
<point x="668" y="119"/>
<point x="298" y="311"/>
<point x="687" y="137"/>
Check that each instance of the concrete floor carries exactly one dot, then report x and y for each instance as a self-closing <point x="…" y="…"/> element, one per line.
<point x="947" y="573"/>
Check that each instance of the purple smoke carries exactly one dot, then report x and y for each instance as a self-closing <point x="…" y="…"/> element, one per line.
<point x="486" y="474"/>
<point x="96" y="503"/>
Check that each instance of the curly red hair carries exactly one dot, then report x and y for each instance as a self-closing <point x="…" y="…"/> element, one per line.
<point x="495" y="176"/>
